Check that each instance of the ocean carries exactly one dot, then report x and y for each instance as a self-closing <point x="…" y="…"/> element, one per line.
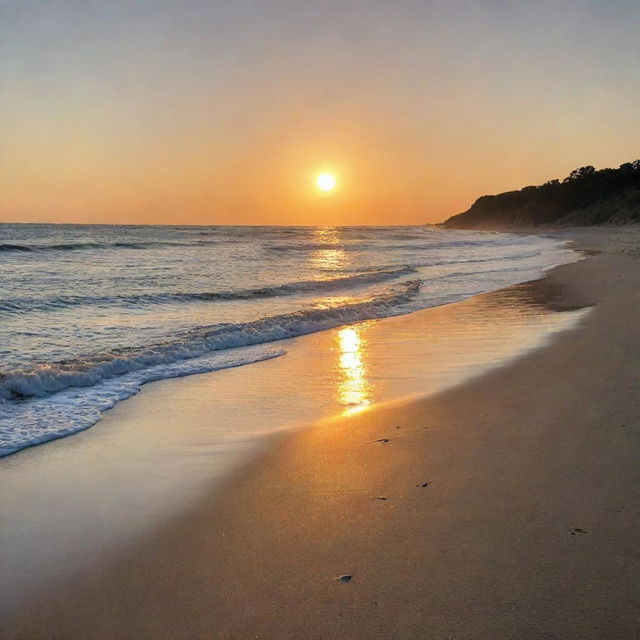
<point x="90" y="313"/>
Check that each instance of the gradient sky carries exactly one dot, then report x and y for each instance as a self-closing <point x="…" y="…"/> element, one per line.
<point x="222" y="112"/>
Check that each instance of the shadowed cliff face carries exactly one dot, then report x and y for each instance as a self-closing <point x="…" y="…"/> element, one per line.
<point x="585" y="197"/>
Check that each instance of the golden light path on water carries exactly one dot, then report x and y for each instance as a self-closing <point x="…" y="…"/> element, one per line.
<point x="355" y="390"/>
<point x="328" y="259"/>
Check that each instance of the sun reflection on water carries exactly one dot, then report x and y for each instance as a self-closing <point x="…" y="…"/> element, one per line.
<point x="354" y="390"/>
<point x="328" y="258"/>
<point x="354" y="387"/>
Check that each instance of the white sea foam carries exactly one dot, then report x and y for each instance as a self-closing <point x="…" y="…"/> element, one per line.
<point x="24" y="424"/>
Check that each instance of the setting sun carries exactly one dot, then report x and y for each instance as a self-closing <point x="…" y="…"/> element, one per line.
<point x="326" y="182"/>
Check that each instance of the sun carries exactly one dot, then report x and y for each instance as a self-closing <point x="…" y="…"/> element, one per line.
<point x="326" y="182"/>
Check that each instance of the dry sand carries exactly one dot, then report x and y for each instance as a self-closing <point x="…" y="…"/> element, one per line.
<point x="528" y="526"/>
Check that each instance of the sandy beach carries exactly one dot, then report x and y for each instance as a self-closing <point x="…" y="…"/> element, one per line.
<point x="503" y="508"/>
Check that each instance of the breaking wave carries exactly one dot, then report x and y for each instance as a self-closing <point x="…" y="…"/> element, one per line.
<point x="75" y="409"/>
<point x="46" y="379"/>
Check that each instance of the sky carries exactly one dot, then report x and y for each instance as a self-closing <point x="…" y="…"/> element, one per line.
<point x="224" y="112"/>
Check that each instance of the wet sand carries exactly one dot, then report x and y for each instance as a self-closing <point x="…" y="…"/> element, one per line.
<point x="504" y="508"/>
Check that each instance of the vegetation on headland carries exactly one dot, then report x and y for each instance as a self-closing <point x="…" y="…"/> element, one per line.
<point x="585" y="197"/>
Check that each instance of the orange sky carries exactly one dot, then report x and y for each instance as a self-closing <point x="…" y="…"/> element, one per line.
<point x="216" y="113"/>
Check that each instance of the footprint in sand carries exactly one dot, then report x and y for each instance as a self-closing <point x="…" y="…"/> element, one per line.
<point x="576" y="530"/>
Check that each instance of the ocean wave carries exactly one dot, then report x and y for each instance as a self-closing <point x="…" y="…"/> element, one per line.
<point x="320" y="246"/>
<point x="441" y="262"/>
<point x="418" y="244"/>
<point x="79" y="246"/>
<point x="76" y="409"/>
<point x="474" y="275"/>
<point x="20" y="305"/>
<point x="92" y="369"/>
<point x="206" y="238"/>
<point x="15" y="247"/>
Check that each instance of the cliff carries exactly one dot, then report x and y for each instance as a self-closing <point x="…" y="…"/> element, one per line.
<point x="586" y="197"/>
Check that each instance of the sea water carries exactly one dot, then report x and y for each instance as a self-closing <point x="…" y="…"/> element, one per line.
<point x="90" y="313"/>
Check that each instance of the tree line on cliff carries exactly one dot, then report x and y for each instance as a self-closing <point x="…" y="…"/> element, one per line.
<point x="585" y="197"/>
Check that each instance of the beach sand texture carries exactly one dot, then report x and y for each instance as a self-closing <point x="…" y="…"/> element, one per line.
<point x="504" y="508"/>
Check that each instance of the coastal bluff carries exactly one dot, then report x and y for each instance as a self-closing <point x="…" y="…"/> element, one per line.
<point x="586" y="197"/>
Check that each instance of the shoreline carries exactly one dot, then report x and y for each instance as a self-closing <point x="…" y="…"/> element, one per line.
<point x="70" y="410"/>
<point x="81" y="501"/>
<point x="315" y="515"/>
